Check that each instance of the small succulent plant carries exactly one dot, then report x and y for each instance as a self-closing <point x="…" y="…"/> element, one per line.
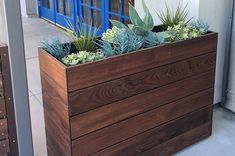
<point x="56" y="47"/>
<point x="171" y="17"/>
<point x="117" y="41"/>
<point x="201" y="26"/>
<point x="182" y="32"/>
<point x="82" y="57"/>
<point x="140" y="26"/>
<point x="83" y="39"/>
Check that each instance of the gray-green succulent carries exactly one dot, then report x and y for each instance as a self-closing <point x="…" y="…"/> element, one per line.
<point x="56" y="48"/>
<point x="183" y="32"/>
<point x="82" y="57"/>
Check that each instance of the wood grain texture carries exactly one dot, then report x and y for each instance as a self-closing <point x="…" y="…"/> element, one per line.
<point x="5" y="148"/>
<point x="180" y="142"/>
<point x="121" y="131"/>
<point x="93" y="97"/>
<point x="55" y="69"/>
<point x="80" y="76"/>
<point x="9" y="102"/>
<point x="99" y="118"/>
<point x="56" y="117"/>
<point x="2" y="106"/>
<point x="3" y="129"/>
<point x="158" y="135"/>
<point x="1" y="84"/>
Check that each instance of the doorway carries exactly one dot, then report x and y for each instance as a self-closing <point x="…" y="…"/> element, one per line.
<point x="95" y="12"/>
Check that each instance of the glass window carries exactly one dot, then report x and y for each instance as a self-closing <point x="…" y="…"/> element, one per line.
<point x="115" y="6"/>
<point x="86" y="14"/>
<point x="97" y="19"/>
<point x="67" y="8"/>
<point x="126" y="6"/>
<point x="96" y="3"/>
<point x="60" y="6"/>
<point x="47" y="4"/>
<point x="87" y="2"/>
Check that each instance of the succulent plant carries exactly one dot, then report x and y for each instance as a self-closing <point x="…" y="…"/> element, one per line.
<point x="56" y="47"/>
<point x="182" y="32"/>
<point x="82" y="57"/>
<point x="84" y="38"/>
<point x="170" y="17"/>
<point x="140" y="26"/>
<point x="117" y="41"/>
<point x="201" y="26"/>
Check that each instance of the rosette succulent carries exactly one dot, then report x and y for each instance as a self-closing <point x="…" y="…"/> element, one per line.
<point x="82" y="57"/>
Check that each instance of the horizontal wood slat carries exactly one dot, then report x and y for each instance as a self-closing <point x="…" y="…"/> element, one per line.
<point x="118" y="111"/>
<point x="180" y="142"/>
<point x="80" y="76"/>
<point x="4" y="148"/>
<point x="1" y="83"/>
<point x="112" y="91"/>
<point x="121" y="131"/>
<point x="3" y="129"/>
<point x="2" y="106"/>
<point x="158" y="135"/>
<point x="55" y="69"/>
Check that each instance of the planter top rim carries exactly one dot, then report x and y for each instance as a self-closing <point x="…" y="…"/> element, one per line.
<point x="126" y="54"/>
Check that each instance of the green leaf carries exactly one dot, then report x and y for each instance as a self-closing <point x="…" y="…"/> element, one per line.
<point x="148" y="19"/>
<point x="135" y="18"/>
<point x="118" y="24"/>
<point x="138" y="30"/>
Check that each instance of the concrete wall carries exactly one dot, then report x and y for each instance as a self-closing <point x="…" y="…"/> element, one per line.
<point x="216" y="12"/>
<point x="28" y="7"/>
<point x="3" y="36"/>
<point x="159" y="5"/>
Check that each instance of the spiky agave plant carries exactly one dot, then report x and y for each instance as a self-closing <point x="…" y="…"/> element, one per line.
<point x="171" y="17"/>
<point x="84" y="38"/>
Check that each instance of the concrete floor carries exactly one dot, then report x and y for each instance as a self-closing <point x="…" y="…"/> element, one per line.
<point x="222" y="141"/>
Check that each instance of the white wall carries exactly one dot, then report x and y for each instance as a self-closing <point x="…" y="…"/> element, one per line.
<point x="28" y="7"/>
<point x="218" y="14"/>
<point x="159" y="5"/>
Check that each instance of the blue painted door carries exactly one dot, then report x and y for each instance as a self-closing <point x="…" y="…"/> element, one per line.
<point x="58" y="11"/>
<point x="95" y="12"/>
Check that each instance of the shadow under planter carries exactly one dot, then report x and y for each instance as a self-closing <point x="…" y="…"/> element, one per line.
<point x="155" y="101"/>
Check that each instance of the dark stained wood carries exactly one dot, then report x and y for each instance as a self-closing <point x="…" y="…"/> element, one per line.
<point x="3" y="129"/>
<point x="118" y="111"/>
<point x="8" y="95"/>
<point x="1" y="83"/>
<point x="55" y="69"/>
<point x="2" y="106"/>
<point x="121" y="131"/>
<point x="180" y="142"/>
<point x="56" y="117"/>
<point x="80" y="76"/>
<point x="112" y="91"/>
<point x="5" y="148"/>
<point x="132" y="104"/>
<point x="158" y="135"/>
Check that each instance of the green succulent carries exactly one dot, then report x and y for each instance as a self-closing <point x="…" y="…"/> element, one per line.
<point x="140" y="26"/>
<point x="170" y="18"/>
<point x="182" y="32"/>
<point x="56" y="48"/>
<point x="83" y="39"/>
<point x="201" y="26"/>
<point x="82" y="57"/>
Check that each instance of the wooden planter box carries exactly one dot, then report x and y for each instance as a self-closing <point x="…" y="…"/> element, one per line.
<point x="156" y="101"/>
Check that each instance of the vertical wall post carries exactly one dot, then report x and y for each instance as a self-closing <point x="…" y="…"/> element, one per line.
<point x="14" y="39"/>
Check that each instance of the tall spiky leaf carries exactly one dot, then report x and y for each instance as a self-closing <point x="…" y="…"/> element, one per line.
<point x="148" y="19"/>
